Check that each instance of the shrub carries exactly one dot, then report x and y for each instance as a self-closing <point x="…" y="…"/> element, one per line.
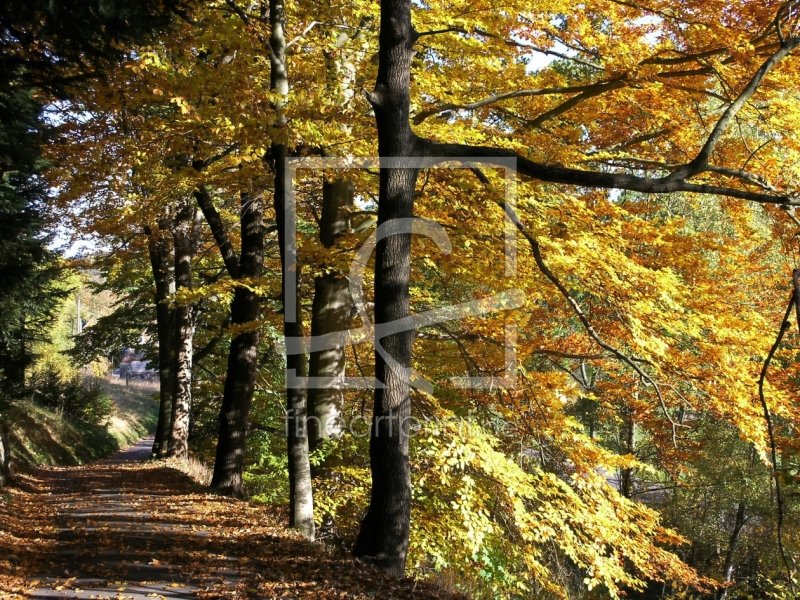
<point x="72" y="396"/>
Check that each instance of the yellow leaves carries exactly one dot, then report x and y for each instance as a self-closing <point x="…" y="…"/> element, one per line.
<point x="586" y="518"/>
<point x="184" y="105"/>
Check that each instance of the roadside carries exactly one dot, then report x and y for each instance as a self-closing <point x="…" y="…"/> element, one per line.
<point x="40" y="436"/>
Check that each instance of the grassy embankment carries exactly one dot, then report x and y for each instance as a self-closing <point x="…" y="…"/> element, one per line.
<point x="40" y="437"/>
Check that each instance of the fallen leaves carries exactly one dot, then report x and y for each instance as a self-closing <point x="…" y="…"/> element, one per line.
<point x="158" y="535"/>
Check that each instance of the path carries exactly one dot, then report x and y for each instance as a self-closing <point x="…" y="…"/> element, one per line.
<point x="129" y="530"/>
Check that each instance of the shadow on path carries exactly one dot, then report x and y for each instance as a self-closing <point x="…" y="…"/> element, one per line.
<point x="126" y="529"/>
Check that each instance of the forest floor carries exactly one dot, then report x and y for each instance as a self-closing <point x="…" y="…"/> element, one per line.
<point x="124" y="528"/>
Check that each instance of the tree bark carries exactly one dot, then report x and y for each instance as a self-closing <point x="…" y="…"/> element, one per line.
<point x="5" y="455"/>
<point x="243" y="356"/>
<point x="330" y="312"/>
<point x="628" y="435"/>
<point x="301" y="503"/>
<point x="184" y="335"/>
<point x="163" y="275"/>
<point x="730" y="557"/>
<point x="383" y="538"/>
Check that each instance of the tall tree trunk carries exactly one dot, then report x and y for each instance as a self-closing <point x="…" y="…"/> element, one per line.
<point x="730" y="557"/>
<point x="301" y="503"/>
<point x="163" y="275"/>
<point x="383" y="537"/>
<point x="330" y="312"/>
<point x="184" y="334"/>
<point x="242" y="358"/>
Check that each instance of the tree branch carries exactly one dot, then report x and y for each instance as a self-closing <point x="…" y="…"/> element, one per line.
<point x="305" y="32"/>
<point x="218" y="230"/>
<point x="702" y="158"/>
<point x="420" y="117"/>
<point x="593" y="179"/>
<point x="768" y="418"/>
<point x="207" y="349"/>
<point x="576" y="308"/>
<point x="266" y="429"/>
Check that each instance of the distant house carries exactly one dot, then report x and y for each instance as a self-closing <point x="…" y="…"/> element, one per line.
<point x="133" y="365"/>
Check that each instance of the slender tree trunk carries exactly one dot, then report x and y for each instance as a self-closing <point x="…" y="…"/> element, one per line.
<point x="628" y="435"/>
<point x="163" y="275"/>
<point x="5" y="454"/>
<point x="17" y="360"/>
<point x="730" y="557"/>
<point x="243" y="356"/>
<point x="383" y="537"/>
<point x="184" y="334"/>
<point x="301" y="503"/>
<point x="330" y="312"/>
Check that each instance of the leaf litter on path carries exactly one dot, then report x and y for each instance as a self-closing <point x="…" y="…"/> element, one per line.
<point x="124" y="529"/>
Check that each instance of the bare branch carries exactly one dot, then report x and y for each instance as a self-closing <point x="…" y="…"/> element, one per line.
<point x="420" y="34"/>
<point x="246" y="20"/>
<point x="558" y="354"/>
<point x="647" y="137"/>
<point x="303" y="34"/>
<point x="201" y="165"/>
<point x="685" y="58"/>
<point x="614" y="84"/>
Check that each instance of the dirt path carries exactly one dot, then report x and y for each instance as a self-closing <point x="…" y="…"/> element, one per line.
<point x="125" y="529"/>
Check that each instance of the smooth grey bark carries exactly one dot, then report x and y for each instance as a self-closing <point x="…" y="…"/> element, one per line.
<point x="330" y="312"/>
<point x="301" y="502"/>
<point x="184" y="334"/>
<point x="164" y="278"/>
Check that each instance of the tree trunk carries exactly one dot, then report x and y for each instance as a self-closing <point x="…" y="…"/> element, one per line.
<point x="5" y="455"/>
<point x="184" y="335"/>
<point x="730" y="557"/>
<point x="330" y="312"/>
<point x="383" y="537"/>
<point x="628" y="435"/>
<point x="242" y="358"/>
<point x="301" y="503"/>
<point x="163" y="275"/>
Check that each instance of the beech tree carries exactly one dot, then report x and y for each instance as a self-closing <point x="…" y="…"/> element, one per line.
<point x="162" y="265"/>
<point x="385" y="528"/>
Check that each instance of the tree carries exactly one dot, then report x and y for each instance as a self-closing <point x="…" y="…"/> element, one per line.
<point x="331" y="312"/>
<point x="638" y="320"/>
<point x="52" y="45"/>
<point x="184" y="242"/>
<point x="301" y="505"/>
<point x="164" y="277"/>
<point x="29" y="270"/>
<point x="384" y="533"/>
<point x="46" y="47"/>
